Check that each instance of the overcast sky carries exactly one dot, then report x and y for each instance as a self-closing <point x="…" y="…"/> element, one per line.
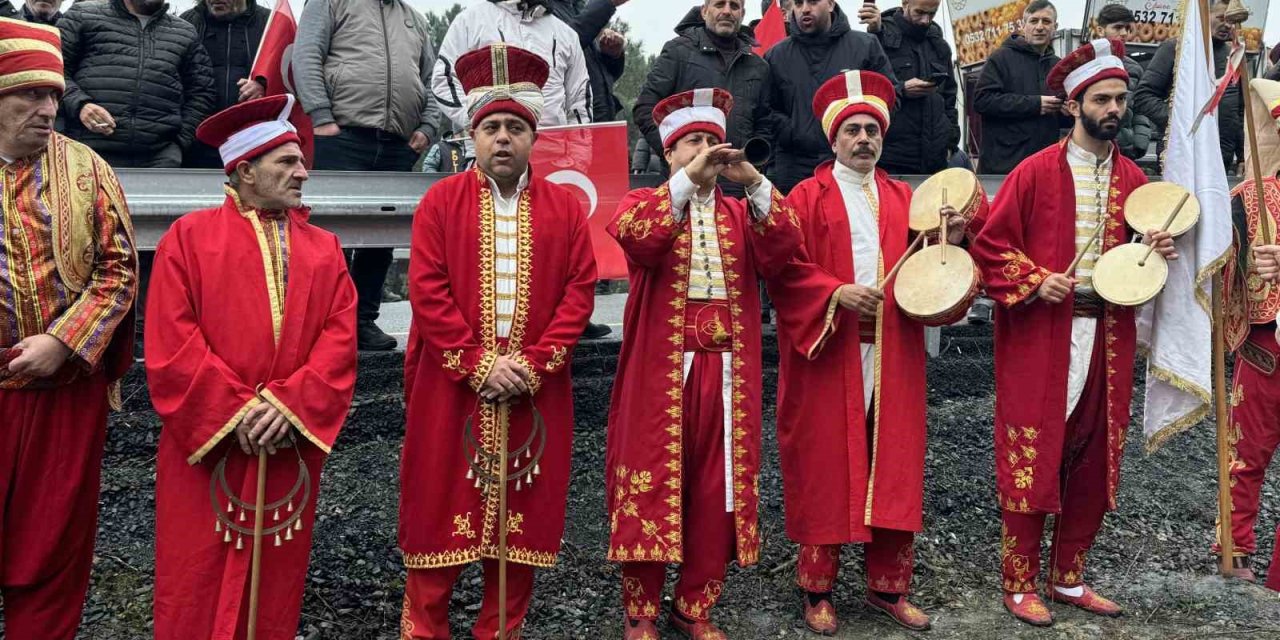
<point x="652" y="21"/>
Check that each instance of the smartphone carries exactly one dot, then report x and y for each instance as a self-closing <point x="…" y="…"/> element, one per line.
<point x="939" y="77"/>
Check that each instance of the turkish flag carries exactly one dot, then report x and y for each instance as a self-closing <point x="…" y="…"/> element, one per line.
<point x="591" y="161"/>
<point x="771" y="29"/>
<point x="273" y="67"/>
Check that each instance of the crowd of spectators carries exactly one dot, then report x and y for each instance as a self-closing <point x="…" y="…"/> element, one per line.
<point x="382" y="97"/>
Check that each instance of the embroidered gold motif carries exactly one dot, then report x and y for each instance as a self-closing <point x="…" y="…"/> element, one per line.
<point x="559" y="354"/>
<point x="453" y="361"/>
<point x="514" y="522"/>
<point x="462" y="525"/>
<point x="406" y="619"/>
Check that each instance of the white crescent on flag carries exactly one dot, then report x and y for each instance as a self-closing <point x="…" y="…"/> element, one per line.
<point x="581" y="181"/>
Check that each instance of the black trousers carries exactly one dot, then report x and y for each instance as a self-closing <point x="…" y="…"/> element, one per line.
<point x="359" y="149"/>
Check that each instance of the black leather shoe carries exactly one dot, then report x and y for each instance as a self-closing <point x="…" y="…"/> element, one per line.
<point x="596" y="331"/>
<point x="370" y="338"/>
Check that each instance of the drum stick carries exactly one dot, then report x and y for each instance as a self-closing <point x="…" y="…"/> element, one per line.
<point x="1085" y="249"/>
<point x="1168" y="221"/>
<point x="942" y="228"/>
<point x="894" y="271"/>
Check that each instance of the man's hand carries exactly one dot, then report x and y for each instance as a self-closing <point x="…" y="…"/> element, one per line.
<point x="743" y="173"/>
<point x="1266" y="261"/>
<point x="41" y="357"/>
<point x="97" y="119"/>
<point x="858" y="298"/>
<point x="955" y="224"/>
<point x="705" y="168"/>
<point x="1050" y="105"/>
<point x="917" y="88"/>
<point x="869" y="15"/>
<point x="250" y="89"/>
<point x="419" y="142"/>
<point x="507" y="379"/>
<point x="326" y="130"/>
<point x="611" y="43"/>
<point x="1055" y="288"/>
<point x="1163" y="242"/>
<point x="262" y="427"/>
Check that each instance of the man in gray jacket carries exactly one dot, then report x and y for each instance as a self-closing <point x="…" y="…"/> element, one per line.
<point x="362" y="70"/>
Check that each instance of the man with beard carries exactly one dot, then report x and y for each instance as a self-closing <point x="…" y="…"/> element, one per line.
<point x="926" y="126"/>
<point x="38" y="11"/>
<point x="1152" y="96"/>
<point x="230" y="31"/>
<point x="851" y="392"/>
<point x="821" y="45"/>
<point x="1019" y="115"/>
<point x="712" y="49"/>
<point x="1064" y="356"/>
<point x="501" y="281"/>
<point x="683" y="454"/>
<point x="68" y="274"/>
<point x="252" y="333"/>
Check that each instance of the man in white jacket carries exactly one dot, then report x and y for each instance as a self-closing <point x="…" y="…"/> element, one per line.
<point x="529" y="24"/>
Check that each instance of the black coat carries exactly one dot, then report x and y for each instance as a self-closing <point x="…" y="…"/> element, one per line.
<point x="602" y="71"/>
<point x="924" y="130"/>
<point x="232" y="45"/>
<point x="691" y="61"/>
<point x="156" y="82"/>
<point x="1152" y="98"/>
<point x="7" y="10"/>
<point x="800" y="64"/>
<point x="1008" y="97"/>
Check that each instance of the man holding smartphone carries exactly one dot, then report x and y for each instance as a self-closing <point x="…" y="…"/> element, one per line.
<point x="926" y="127"/>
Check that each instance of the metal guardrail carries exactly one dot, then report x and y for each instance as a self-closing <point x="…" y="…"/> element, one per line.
<point x="365" y="209"/>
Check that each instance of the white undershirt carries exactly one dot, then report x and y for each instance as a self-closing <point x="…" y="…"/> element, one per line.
<point x="861" y="201"/>
<point x="505" y="253"/>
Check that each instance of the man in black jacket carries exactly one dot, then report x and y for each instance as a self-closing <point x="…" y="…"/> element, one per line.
<point x="1136" y="130"/>
<point x="37" y="11"/>
<point x="712" y="49"/>
<point x="602" y="49"/>
<point x="1152" y="97"/>
<point x="138" y="81"/>
<point x="230" y="31"/>
<point x="1020" y="116"/>
<point x="926" y="127"/>
<point x="820" y="46"/>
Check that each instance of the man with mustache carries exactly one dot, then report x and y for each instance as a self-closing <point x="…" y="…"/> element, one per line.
<point x="68" y="274"/>
<point x="39" y="11"/>
<point x="1019" y="115"/>
<point x="1064" y="356"/>
<point x="501" y="281"/>
<point x="683" y="454"/>
<point x="851" y="385"/>
<point x="262" y="360"/>
<point x="1152" y="96"/>
<point x="230" y="31"/>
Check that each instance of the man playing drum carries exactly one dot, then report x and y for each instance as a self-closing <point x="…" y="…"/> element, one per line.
<point x="1064" y="357"/>
<point x="850" y="362"/>
<point x="1252" y="304"/>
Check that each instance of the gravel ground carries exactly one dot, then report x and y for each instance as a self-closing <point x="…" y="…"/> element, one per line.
<point x="1152" y="555"/>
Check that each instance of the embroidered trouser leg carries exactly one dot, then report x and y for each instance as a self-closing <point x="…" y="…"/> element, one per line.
<point x="50" y="460"/>
<point x="1255" y="426"/>
<point x="888" y="559"/>
<point x="708" y="529"/>
<point x="1083" y="491"/>
<point x="427" y="593"/>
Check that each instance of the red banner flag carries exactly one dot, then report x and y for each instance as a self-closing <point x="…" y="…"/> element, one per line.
<point x="273" y="67"/>
<point x="591" y="161"/>
<point x="771" y="29"/>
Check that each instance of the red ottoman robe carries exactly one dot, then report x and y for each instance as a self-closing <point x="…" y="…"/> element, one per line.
<point x="833" y="493"/>
<point x="643" y="461"/>
<point x="210" y="344"/>
<point x="1029" y="235"/>
<point x="445" y="519"/>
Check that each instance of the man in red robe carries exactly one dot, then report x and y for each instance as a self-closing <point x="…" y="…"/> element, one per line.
<point x="1064" y="357"/>
<point x="502" y="283"/>
<point x="846" y="479"/>
<point x="1250" y="312"/>
<point x="68" y="275"/>
<point x="251" y="347"/>
<point x="683" y="458"/>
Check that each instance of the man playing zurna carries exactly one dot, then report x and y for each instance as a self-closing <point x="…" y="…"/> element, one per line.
<point x="851" y="378"/>
<point x="1064" y="357"/>
<point x="502" y="282"/>
<point x="683" y="454"/>
<point x="68" y="276"/>
<point x="251" y="347"/>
